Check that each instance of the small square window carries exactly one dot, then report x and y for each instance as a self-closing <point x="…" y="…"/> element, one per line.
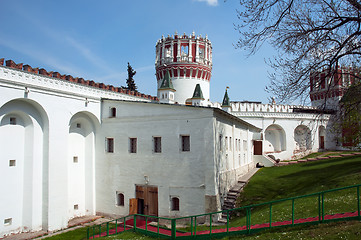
<point x="119" y="199"/>
<point x="186" y="147"/>
<point x="78" y="125"/>
<point x="110" y="145"/>
<point x="175" y="204"/>
<point x="157" y="144"/>
<point x="75" y="159"/>
<point x="12" y="163"/>
<point x="76" y="207"/>
<point x="113" y="112"/>
<point x="132" y="145"/>
<point x="8" y="221"/>
<point x="12" y="121"/>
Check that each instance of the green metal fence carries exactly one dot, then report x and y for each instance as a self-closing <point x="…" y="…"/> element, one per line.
<point x="331" y="205"/>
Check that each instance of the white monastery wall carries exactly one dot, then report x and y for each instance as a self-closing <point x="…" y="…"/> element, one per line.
<point x="43" y="143"/>
<point x="173" y="171"/>
<point x="281" y="135"/>
<point x="233" y="154"/>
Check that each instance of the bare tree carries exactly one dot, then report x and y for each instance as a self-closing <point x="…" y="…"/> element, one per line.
<point x="310" y="35"/>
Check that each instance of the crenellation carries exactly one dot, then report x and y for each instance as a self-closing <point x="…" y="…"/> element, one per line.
<point x="27" y="68"/>
<point x="260" y="107"/>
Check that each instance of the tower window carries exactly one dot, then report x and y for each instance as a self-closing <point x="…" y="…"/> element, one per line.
<point x="75" y="159"/>
<point x="110" y="145"/>
<point x="76" y="207"/>
<point x="119" y="199"/>
<point x="186" y="147"/>
<point x="78" y="125"/>
<point x="132" y="145"/>
<point x="175" y="204"/>
<point x="157" y="144"/>
<point x="12" y="121"/>
<point x="113" y="112"/>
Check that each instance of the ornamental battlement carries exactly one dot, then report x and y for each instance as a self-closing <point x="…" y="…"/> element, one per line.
<point x="184" y="56"/>
<point x="57" y="75"/>
<point x="261" y="107"/>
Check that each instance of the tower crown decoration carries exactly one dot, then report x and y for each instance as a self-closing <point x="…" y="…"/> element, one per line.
<point x="189" y="62"/>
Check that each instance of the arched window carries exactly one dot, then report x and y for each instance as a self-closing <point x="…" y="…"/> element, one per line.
<point x="175" y="204"/>
<point x="120" y="199"/>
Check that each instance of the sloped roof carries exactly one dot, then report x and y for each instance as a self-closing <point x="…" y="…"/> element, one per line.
<point x="226" y="102"/>
<point x="167" y="82"/>
<point x="198" y="92"/>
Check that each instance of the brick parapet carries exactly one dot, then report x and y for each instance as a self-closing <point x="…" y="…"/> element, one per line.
<point x="57" y="75"/>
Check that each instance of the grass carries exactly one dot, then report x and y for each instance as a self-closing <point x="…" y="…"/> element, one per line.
<point x="300" y="179"/>
<point x="341" y="230"/>
<point x="76" y="234"/>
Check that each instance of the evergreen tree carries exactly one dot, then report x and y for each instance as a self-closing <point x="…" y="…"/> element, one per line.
<point x="130" y="80"/>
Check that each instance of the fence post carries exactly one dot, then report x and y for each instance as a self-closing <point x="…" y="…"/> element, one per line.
<point x="319" y="207"/>
<point x="135" y="222"/>
<point x="116" y="226"/>
<point x="358" y="201"/>
<point x="293" y="211"/>
<point x="323" y="206"/>
<point x="173" y="229"/>
<point x="124" y="224"/>
<point x="210" y="224"/>
<point x="195" y="226"/>
<point x="146" y="224"/>
<point x="87" y="233"/>
<point x="227" y="221"/>
<point x="107" y="228"/>
<point x="191" y="226"/>
<point x="270" y="215"/>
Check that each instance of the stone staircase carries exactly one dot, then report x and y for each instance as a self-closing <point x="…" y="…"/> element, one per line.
<point x="233" y="194"/>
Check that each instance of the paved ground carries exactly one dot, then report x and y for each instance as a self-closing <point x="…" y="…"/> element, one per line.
<point x="73" y="224"/>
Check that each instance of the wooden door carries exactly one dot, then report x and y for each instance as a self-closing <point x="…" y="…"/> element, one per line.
<point x="257" y="147"/>
<point x="148" y="197"/>
<point x="322" y="142"/>
<point x="133" y="206"/>
<point x="152" y="201"/>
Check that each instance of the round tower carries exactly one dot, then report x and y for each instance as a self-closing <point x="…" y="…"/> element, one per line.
<point x="188" y="59"/>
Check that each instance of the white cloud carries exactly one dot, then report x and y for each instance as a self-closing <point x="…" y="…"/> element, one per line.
<point x="209" y="2"/>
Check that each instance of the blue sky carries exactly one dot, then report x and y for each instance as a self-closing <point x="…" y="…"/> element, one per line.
<point x="96" y="39"/>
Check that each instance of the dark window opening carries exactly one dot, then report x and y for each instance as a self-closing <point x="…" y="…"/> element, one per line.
<point x="186" y="144"/>
<point x="12" y="121"/>
<point x="132" y="145"/>
<point x="113" y="112"/>
<point x="175" y="204"/>
<point x="120" y="199"/>
<point x="110" y="145"/>
<point x="157" y="144"/>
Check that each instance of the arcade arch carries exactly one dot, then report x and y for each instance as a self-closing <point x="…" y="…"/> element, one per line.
<point x="275" y="139"/>
<point x="322" y="137"/>
<point x="302" y="135"/>
<point x="81" y="158"/>
<point x="23" y="167"/>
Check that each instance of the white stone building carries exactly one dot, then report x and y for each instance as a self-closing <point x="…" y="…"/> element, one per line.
<point x="71" y="147"/>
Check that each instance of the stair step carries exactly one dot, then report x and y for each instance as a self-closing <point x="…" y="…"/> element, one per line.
<point x="222" y="220"/>
<point x="231" y="197"/>
<point x="232" y="194"/>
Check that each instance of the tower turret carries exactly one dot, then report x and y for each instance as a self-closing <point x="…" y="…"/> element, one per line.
<point x="189" y="62"/>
